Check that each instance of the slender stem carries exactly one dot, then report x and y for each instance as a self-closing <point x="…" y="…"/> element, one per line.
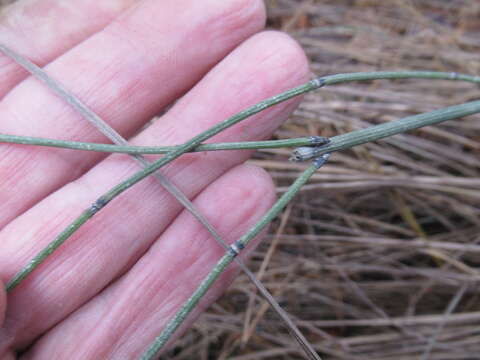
<point x="117" y="139"/>
<point x="76" y="145"/>
<point x="341" y="142"/>
<point x="40" y="257"/>
<point x="377" y="132"/>
<point x="226" y="259"/>
<point x="377" y="75"/>
<point x="150" y="169"/>
<point x="337" y="143"/>
<point x="102" y="201"/>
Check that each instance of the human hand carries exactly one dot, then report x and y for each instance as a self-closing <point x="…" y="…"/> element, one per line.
<point x="115" y="283"/>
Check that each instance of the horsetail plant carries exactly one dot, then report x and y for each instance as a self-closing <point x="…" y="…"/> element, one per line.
<point x="103" y="200"/>
<point x="229" y="255"/>
<point x="114" y="136"/>
<point x="305" y="148"/>
<point x="110" y="148"/>
<point x="336" y="143"/>
<point x="310" y="147"/>
<point x="340" y="142"/>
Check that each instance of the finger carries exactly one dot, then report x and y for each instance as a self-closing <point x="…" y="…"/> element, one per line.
<point x="42" y="30"/>
<point x="5" y="354"/>
<point x="126" y="73"/>
<point x="126" y="317"/>
<point x="108" y="245"/>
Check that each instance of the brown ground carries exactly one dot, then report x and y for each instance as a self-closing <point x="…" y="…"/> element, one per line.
<point x="379" y="256"/>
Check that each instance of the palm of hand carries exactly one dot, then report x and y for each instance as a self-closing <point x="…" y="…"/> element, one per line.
<point x="119" y="279"/>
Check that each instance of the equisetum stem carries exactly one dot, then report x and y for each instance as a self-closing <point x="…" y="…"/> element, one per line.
<point x="196" y="141"/>
<point x="110" y="148"/>
<point x="309" y="86"/>
<point x="390" y="128"/>
<point x="341" y="143"/>
<point x="228" y="257"/>
<point x="377" y="75"/>
<point x="117" y="139"/>
<point x="42" y="255"/>
<point x="167" y="158"/>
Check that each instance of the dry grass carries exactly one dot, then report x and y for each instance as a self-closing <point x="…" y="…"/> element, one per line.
<point x="379" y="257"/>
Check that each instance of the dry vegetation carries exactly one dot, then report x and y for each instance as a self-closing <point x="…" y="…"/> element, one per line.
<point x="379" y="257"/>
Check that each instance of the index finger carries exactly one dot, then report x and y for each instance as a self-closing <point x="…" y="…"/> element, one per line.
<point x="42" y="30"/>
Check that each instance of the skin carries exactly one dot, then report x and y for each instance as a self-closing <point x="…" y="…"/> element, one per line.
<point x="114" y="285"/>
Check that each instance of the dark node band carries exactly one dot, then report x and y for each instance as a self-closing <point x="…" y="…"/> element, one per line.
<point x="318" y="82"/>
<point x="235" y="248"/>
<point x="97" y="205"/>
<point x="321" y="160"/>
<point x="319" y="140"/>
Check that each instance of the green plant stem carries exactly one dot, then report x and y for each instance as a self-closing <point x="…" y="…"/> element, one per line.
<point x="197" y="140"/>
<point x="76" y="145"/>
<point x="226" y="259"/>
<point x="169" y="157"/>
<point x="117" y="139"/>
<point x="309" y="86"/>
<point x="44" y="253"/>
<point x="337" y="143"/>
<point x="377" y="75"/>
<point x="102" y="201"/>
<point x="377" y="132"/>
